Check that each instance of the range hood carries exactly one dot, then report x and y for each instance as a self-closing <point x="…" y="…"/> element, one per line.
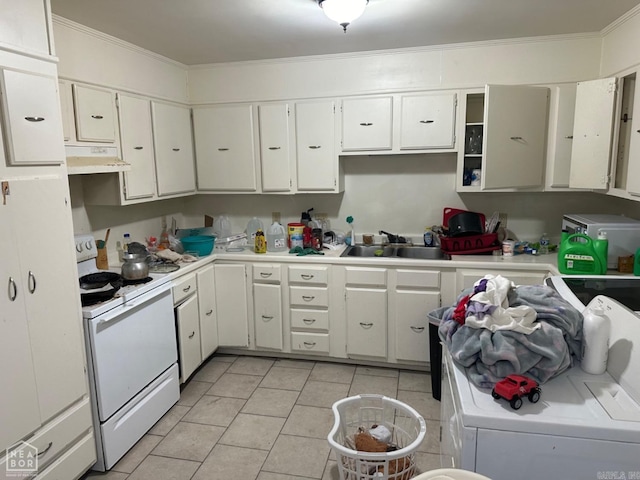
<point x="82" y="160"/>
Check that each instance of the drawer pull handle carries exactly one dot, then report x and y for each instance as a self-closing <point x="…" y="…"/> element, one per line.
<point x="569" y="137"/>
<point x="306" y="276"/>
<point x="309" y="321"/>
<point x="222" y="149"/>
<point x="267" y="318"/>
<point x="309" y="344"/>
<point x="265" y="274"/>
<point x="175" y="149"/>
<point x="31" y="282"/>
<point x="12" y="289"/>
<point x="186" y="289"/>
<point x="97" y="117"/>
<point x="426" y="121"/>
<point x="308" y="298"/>
<point x="43" y="452"/>
<point x="137" y="148"/>
<point x="274" y="148"/>
<point x="366" y="124"/>
<point x="192" y="334"/>
<point x="515" y="138"/>
<point x="34" y="119"/>
<point x="315" y="147"/>
<point x="208" y="314"/>
<point x="417" y="329"/>
<point x="366" y="325"/>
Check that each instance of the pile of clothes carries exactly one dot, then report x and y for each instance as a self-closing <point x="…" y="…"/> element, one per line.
<point x="497" y="329"/>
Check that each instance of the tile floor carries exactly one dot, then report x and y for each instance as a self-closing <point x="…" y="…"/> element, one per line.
<point x="254" y="418"/>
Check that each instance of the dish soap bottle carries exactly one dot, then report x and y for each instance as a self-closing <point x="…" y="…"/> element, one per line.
<point x="260" y="242"/>
<point x="596" y="329"/>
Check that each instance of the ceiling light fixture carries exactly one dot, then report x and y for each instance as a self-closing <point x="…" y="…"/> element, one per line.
<point x="343" y="11"/>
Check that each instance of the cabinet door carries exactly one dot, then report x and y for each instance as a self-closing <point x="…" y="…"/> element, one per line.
<point x="317" y="161"/>
<point x="267" y="306"/>
<point x="412" y="324"/>
<point x="19" y="411"/>
<point x="175" y="169"/>
<point x="136" y="138"/>
<point x="50" y="287"/>
<point x="188" y="337"/>
<point x="231" y="305"/>
<point x="225" y="150"/>
<point x="275" y="153"/>
<point x="561" y="136"/>
<point x="23" y="24"/>
<point x="95" y="114"/>
<point x="592" y="133"/>
<point x="66" y="108"/>
<point x="366" y="124"/>
<point x="427" y="121"/>
<point x="207" y="307"/>
<point x="515" y="126"/>
<point x="633" y="166"/>
<point x="366" y="311"/>
<point x="32" y="120"/>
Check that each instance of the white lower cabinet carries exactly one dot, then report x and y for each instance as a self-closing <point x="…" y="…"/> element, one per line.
<point x="465" y="278"/>
<point x="231" y="304"/>
<point x="366" y="311"/>
<point x="188" y="330"/>
<point x="267" y="307"/>
<point x="205" y="279"/>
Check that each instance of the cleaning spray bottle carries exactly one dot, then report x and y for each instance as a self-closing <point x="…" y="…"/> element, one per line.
<point x="352" y="235"/>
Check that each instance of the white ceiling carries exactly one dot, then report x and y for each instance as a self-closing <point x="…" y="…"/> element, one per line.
<point x="211" y="31"/>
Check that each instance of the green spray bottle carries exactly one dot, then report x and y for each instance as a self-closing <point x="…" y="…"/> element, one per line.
<point x="601" y="246"/>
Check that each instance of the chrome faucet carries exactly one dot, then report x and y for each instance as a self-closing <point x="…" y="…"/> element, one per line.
<point x="391" y="238"/>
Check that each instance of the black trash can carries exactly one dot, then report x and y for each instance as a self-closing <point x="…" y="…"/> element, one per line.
<point x="435" y="350"/>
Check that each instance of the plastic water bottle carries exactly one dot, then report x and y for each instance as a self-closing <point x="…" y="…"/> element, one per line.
<point x="596" y="329"/>
<point x="126" y="242"/>
<point x="428" y="237"/>
<point x="276" y="238"/>
<point x="544" y="244"/>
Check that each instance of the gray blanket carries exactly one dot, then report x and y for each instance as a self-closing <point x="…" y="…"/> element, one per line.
<point x="541" y="355"/>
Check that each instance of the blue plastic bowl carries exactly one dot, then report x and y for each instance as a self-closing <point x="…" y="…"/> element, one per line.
<point x="200" y="244"/>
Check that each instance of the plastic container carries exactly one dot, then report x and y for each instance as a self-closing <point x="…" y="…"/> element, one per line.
<point x="252" y="227"/>
<point x="200" y="244"/>
<point x="544" y="244"/>
<point x="579" y="254"/>
<point x="276" y="238"/>
<point x="596" y="330"/>
<point x="408" y="430"/>
<point x="428" y="237"/>
<point x="222" y="226"/>
<point x="295" y="231"/>
<point x="260" y="242"/>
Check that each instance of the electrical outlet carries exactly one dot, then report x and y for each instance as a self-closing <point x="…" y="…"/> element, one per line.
<point x="275" y="217"/>
<point x="503" y="220"/>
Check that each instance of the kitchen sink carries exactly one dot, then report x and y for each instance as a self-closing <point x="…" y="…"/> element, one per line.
<point x="408" y="251"/>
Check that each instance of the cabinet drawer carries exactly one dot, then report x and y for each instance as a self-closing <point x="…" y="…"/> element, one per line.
<point x="309" y="296"/>
<point x="183" y="287"/>
<point x="310" y="342"/>
<point x="417" y="278"/>
<point x="188" y="337"/>
<point x="312" y="275"/>
<point x="74" y="462"/>
<point x="58" y="434"/>
<point x="309" y="319"/>
<point x="266" y="273"/>
<point x="366" y="276"/>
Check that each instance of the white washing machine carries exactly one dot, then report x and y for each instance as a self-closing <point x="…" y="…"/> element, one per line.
<point x="584" y="426"/>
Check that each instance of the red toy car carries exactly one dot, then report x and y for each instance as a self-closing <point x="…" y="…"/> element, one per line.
<point x="513" y="387"/>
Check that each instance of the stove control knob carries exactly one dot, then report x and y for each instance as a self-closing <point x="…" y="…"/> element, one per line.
<point x="88" y="245"/>
<point x="79" y="247"/>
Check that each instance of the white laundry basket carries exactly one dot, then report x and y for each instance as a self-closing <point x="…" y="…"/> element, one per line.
<point x="407" y="428"/>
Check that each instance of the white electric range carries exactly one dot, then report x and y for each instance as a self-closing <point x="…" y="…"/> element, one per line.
<point x="584" y="426"/>
<point x="132" y="357"/>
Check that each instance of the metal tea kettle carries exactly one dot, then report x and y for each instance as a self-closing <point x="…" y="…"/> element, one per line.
<point x="135" y="266"/>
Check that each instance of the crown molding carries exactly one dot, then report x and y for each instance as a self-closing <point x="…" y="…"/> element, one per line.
<point x="621" y="20"/>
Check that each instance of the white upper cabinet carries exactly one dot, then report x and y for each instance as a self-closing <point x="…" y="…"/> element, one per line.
<point x="32" y="120"/>
<point x="136" y="138"/>
<point x="317" y="160"/>
<point x="427" y="121"/>
<point x="367" y="123"/>
<point x="225" y="148"/>
<point x="95" y="114"/>
<point x="630" y="132"/>
<point x="275" y="149"/>
<point x="561" y="115"/>
<point x="66" y="107"/>
<point x="175" y="169"/>
<point x="593" y="134"/>
<point x="24" y="25"/>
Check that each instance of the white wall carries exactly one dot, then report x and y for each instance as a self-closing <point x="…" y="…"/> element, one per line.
<point x="621" y="44"/>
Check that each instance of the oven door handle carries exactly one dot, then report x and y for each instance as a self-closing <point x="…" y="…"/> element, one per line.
<point x="103" y="321"/>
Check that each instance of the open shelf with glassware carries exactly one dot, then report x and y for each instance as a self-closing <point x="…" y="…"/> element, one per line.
<point x="473" y="140"/>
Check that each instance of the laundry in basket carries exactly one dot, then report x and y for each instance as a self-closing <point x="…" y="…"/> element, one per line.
<point x="392" y="429"/>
